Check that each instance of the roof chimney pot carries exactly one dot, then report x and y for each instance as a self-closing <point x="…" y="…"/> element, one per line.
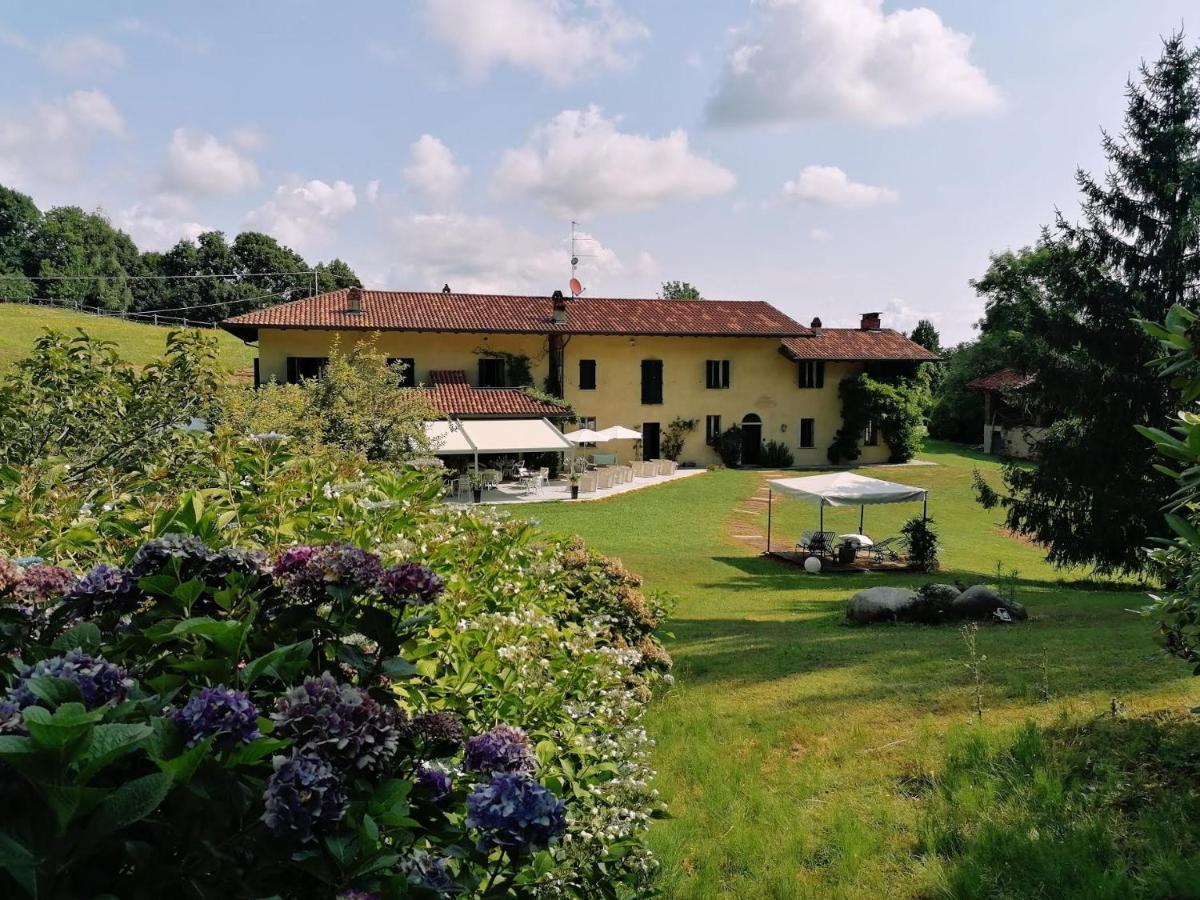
<point x="870" y="322"/>
<point x="354" y="300"/>
<point x="816" y="325"/>
<point x="446" y="288"/>
<point x="560" y="308"/>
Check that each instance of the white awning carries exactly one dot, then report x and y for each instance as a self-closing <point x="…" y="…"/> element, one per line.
<point x="847" y="489"/>
<point x="474" y="436"/>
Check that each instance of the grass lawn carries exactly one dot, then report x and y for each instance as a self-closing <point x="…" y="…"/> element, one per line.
<point x="798" y="754"/>
<point x="21" y="325"/>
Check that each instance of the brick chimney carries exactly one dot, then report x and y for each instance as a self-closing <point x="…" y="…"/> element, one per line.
<point x="870" y="322"/>
<point x="560" y="308"/>
<point x="354" y="300"/>
<point x="815" y="325"/>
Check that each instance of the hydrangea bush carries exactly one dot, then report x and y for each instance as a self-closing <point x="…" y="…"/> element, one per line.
<point x="412" y="700"/>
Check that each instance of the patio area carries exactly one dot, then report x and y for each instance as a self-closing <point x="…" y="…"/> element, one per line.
<point x="559" y="490"/>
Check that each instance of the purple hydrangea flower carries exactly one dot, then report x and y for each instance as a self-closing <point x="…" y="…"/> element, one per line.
<point x="436" y="734"/>
<point x="430" y="872"/>
<point x="230" y="560"/>
<point x="410" y="583"/>
<point x="432" y="784"/>
<point x="355" y="895"/>
<point x="292" y="560"/>
<point x="310" y="576"/>
<point x="10" y="718"/>
<point x="219" y="712"/>
<point x="503" y="749"/>
<point x="339" y="721"/>
<point x="42" y="583"/>
<point x="98" y="680"/>
<point x="515" y="813"/>
<point x="304" y="796"/>
<point x="104" y="589"/>
<point x="186" y="551"/>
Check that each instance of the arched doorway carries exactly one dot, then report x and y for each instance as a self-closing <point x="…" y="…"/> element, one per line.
<point x="751" y="440"/>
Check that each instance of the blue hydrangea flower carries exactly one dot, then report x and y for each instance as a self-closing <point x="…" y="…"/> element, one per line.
<point x="503" y="749"/>
<point x="304" y="797"/>
<point x="310" y="576"/>
<point x="436" y="734"/>
<point x="105" y="589"/>
<point x="98" y="680"/>
<point x="339" y="721"/>
<point x="10" y="718"/>
<point x="219" y="712"/>
<point x="432" y="784"/>
<point x="430" y="872"/>
<point x="230" y="560"/>
<point x="355" y="895"/>
<point x="186" y="551"/>
<point x="515" y="813"/>
<point x="410" y="583"/>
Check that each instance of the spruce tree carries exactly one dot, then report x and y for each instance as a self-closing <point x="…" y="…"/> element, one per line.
<point x="1095" y="497"/>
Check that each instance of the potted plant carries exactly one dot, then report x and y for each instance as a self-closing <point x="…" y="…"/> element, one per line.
<point x="574" y="479"/>
<point x="475" y="478"/>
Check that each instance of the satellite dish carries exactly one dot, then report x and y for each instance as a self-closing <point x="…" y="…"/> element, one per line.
<point x="576" y="287"/>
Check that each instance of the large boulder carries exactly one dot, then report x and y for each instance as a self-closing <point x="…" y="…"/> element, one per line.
<point x="980" y="602"/>
<point x="882" y="604"/>
<point x="933" y="607"/>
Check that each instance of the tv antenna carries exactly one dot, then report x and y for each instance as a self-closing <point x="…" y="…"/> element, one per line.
<point x="576" y="238"/>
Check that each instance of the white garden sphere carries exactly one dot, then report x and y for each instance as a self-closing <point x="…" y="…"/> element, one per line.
<point x="812" y="565"/>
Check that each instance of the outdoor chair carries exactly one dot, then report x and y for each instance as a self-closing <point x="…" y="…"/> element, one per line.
<point x="624" y="474"/>
<point x="886" y="549"/>
<point x="587" y="483"/>
<point x="464" y="486"/>
<point x="805" y="540"/>
<point x="491" y="478"/>
<point x="662" y="467"/>
<point x="819" y="542"/>
<point x="605" y="478"/>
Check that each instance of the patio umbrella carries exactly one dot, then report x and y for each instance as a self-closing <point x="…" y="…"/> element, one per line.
<point x="583" y="436"/>
<point x="618" y="433"/>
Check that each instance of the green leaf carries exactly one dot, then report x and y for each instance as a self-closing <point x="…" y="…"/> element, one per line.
<point x="181" y="768"/>
<point x="69" y="724"/>
<point x="111" y="742"/>
<point x="254" y="751"/>
<point x="18" y="861"/>
<point x="85" y="636"/>
<point x="127" y="805"/>
<point x="272" y="664"/>
<point x="53" y="690"/>
<point x="397" y="667"/>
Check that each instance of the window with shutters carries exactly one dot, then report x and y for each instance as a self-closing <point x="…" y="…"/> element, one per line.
<point x="716" y="373"/>
<point x="587" y="374"/>
<point x="712" y="429"/>
<point x="491" y="373"/>
<point x="652" y="381"/>
<point x="408" y="372"/>
<point x="808" y="433"/>
<point x="300" y="368"/>
<point x="812" y="373"/>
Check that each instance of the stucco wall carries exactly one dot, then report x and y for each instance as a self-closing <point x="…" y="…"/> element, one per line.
<point x="762" y="381"/>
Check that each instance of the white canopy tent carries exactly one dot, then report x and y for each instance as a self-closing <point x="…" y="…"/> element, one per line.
<point x="844" y="489"/>
<point x="471" y="437"/>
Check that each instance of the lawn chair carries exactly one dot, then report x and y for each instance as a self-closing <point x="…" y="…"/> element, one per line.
<point x="886" y="549"/>
<point x="821" y="542"/>
<point x="587" y="483"/>
<point x="805" y="540"/>
<point x="606" y="477"/>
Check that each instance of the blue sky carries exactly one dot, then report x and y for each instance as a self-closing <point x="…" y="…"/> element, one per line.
<point x="829" y="156"/>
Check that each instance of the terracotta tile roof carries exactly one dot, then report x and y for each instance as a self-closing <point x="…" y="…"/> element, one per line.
<point x="856" y="343"/>
<point x="1002" y="380"/>
<point x="411" y="311"/>
<point x="453" y="395"/>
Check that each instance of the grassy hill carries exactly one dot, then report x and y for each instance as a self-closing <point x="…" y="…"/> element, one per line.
<point x="139" y="343"/>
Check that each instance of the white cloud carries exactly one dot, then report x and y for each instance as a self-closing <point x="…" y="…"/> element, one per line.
<point x="51" y="139"/>
<point x="559" y="39"/>
<point x="580" y="163"/>
<point x="485" y="254"/>
<point x="200" y="164"/>
<point x="160" y="221"/>
<point x="830" y="186"/>
<point x="896" y="313"/>
<point x="373" y="191"/>
<point x="83" y="55"/>
<point x="302" y="214"/>
<point x="13" y="39"/>
<point x="848" y="59"/>
<point x="433" y="171"/>
<point x="819" y="234"/>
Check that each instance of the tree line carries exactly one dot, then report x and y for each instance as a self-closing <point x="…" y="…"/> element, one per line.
<point x="68" y="254"/>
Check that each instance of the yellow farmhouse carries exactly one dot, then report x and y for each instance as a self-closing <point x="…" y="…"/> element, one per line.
<point x="641" y="363"/>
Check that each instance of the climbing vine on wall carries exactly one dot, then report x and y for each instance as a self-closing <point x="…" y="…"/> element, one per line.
<point x="897" y="407"/>
<point x="518" y="369"/>
<point x="674" y="435"/>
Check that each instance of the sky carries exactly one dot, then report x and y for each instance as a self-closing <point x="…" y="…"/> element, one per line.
<point x="829" y="156"/>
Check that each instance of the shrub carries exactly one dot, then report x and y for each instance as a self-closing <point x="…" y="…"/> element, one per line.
<point x="776" y="455"/>
<point x="674" y="435"/>
<point x="299" y="725"/>
<point x="729" y="446"/>
<point x="922" y="543"/>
